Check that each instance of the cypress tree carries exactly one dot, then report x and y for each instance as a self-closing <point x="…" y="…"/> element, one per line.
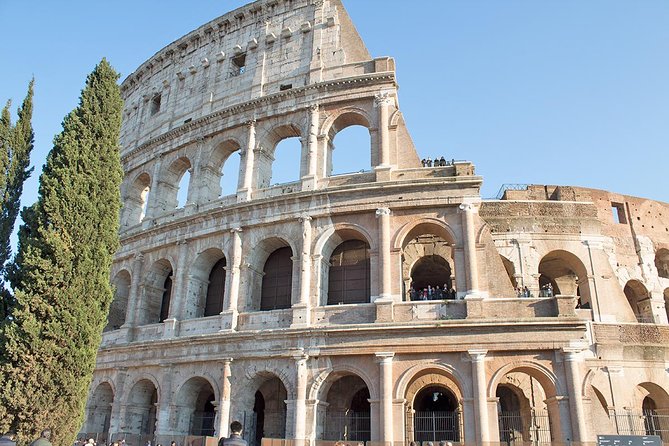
<point x="61" y="276"/>
<point x="19" y="142"/>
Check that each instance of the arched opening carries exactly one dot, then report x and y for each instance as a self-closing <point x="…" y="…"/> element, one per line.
<point x="436" y="415"/>
<point x="279" y="160"/>
<point x="174" y="186"/>
<point x="349" y="140"/>
<point x="99" y="409"/>
<point x="277" y="281"/>
<point x="220" y="174"/>
<point x="430" y="276"/>
<point x="206" y="285"/>
<point x="155" y="304"/>
<point x="662" y="262"/>
<point x="135" y="200"/>
<point x="349" y="273"/>
<point x="195" y="411"/>
<point x="141" y="408"/>
<point x="182" y="194"/>
<point x="216" y="289"/>
<point x="527" y="412"/>
<point x="510" y="271"/>
<point x="649" y="414"/>
<point x="116" y="317"/>
<point x="229" y="181"/>
<point x="561" y="272"/>
<point x="347" y="415"/>
<point x="270" y="410"/>
<point x="428" y="263"/>
<point x="636" y="293"/>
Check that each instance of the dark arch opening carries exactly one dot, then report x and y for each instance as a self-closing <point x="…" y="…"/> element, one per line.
<point x="167" y="297"/>
<point x="259" y="410"/>
<point x="216" y="289"/>
<point x="431" y="272"/>
<point x="436" y="415"/>
<point x="277" y="281"/>
<point x="435" y="399"/>
<point x="349" y="274"/>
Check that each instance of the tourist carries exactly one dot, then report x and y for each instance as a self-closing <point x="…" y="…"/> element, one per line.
<point x="526" y="292"/>
<point x="43" y="440"/>
<point x="442" y="162"/>
<point x="235" y="438"/>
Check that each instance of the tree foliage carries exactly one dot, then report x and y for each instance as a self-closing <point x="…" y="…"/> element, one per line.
<point x="61" y="273"/>
<point x="16" y="144"/>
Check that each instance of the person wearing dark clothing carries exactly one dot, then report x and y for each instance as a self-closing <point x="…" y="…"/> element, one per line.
<point x="43" y="440"/>
<point x="235" y="438"/>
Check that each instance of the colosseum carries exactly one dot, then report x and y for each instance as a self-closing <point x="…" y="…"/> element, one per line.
<point x="385" y="306"/>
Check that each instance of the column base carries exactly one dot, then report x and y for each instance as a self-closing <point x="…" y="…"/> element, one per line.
<point x="243" y="195"/>
<point x="384" y="309"/>
<point x="383" y="172"/>
<point x="170" y="328"/>
<point x="301" y="316"/>
<point x="474" y="306"/>
<point x="309" y="182"/>
<point x="229" y="320"/>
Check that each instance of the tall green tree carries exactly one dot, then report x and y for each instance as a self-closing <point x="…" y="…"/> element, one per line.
<point x="61" y="276"/>
<point x="17" y="144"/>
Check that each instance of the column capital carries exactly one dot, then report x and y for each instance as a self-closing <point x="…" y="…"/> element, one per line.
<point x="139" y="257"/>
<point x="236" y="230"/>
<point x="304" y="218"/>
<point x="313" y="108"/>
<point x="250" y="123"/>
<point x="468" y="207"/>
<point x="571" y="353"/>
<point x="382" y="99"/>
<point x="384" y="357"/>
<point x="382" y="212"/>
<point x="226" y="361"/>
<point x="477" y="355"/>
<point x="181" y="242"/>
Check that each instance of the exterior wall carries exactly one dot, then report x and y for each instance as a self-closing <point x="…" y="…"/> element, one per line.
<point x="574" y="372"/>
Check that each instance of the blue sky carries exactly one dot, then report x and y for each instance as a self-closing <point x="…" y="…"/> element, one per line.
<point x="551" y="92"/>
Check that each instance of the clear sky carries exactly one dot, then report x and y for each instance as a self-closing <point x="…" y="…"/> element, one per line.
<point x="566" y="92"/>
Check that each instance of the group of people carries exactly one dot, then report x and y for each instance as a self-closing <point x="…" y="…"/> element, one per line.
<point x="429" y="443"/>
<point x="545" y="291"/>
<point x="438" y="162"/>
<point x="431" y="293"/>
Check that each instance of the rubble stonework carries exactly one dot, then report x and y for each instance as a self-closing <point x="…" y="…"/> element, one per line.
<point x="290" y="307"/>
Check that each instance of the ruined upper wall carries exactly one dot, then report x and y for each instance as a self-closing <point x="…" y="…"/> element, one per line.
<point x="260" y="49"/>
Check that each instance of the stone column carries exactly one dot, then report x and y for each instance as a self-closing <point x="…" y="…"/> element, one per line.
<point x="309" y="181"/>
<point x="382" y="102"/>
<point x="469" y="236"/>
<point x="300" y="412"/>
<point x="383" y="214"/>
<point x="230" y="311"/>
<point x="153" y="193"/>
<point x="244" y="194"/>
<point x="178" y="290"/>
<point x="480" y="399"/>
<point x="131" y="315"/>
<point x="224" y="404"/>
<point x="115" y="420"/>
<point x="577" y="415"/>
<point x="385" y="360"/>
<point x="301" y="308"/>
<point x="164" y="406"/>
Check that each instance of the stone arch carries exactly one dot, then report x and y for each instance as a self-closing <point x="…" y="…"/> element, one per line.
<point x="542" y="405"/>
<point x="99" y="407"/>
<point x="652" y="390"/>
<point x="428" y="260"/>
<point x="332" y="239"/>
<point x="195" y="411"/>
<point x="168" y="189"/>
<point x="259" y="255"/>
<point x="662" y="262"/>
<point x="322" y="383"/>
<point x="266" y="155"/>
<point x="121" y="283"/>
<point x="652" y="402"/>
<point x="443" y="373"/>
<point x="156" y="292"/>
<point x="636" y="292"/>
<point x="434" y="390"/>
<point x="136" y="199"/>
<point x="343" y="119"/>
<point x="205" y="292"/>
<point x="141" y="402"/>
<point x="566" y="274"/>
<point x="212" y="171"/>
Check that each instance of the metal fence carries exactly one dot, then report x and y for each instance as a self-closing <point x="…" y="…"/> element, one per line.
<point x="532" y="427"/>
<point x="434" y="426"/>
<point x="643" y="422"/>
<point x="347" y="425"/>
<point x="202" y="424"/>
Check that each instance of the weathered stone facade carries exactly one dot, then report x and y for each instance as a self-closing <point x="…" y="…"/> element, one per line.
<point x="290" y="308"/>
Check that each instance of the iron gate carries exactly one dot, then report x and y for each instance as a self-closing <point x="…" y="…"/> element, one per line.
<point x="434" y="426"/>
<point x="347" y="425"/>
<point x="532" y="427"/>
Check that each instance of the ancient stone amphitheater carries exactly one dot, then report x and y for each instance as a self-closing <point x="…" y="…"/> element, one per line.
<point x="301" y="308"/>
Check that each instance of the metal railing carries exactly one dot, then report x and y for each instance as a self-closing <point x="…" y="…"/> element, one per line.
<point x="347" y="426"/>
<point x="434" y="426"/>
<point x="516" y="427"/>
<point x="643" y="422"/>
